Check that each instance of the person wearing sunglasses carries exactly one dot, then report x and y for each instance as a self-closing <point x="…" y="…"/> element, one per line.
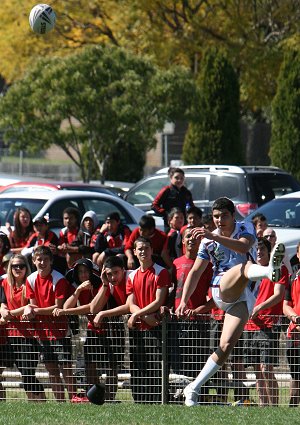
<point x="21" y="348"/>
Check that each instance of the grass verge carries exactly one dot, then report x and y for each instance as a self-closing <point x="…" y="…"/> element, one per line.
<point x="22" y="413"/>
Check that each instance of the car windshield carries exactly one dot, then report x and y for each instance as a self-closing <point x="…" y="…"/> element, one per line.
<point x="8" y="207"/>
<point x="147" y="191"/>
<point x="282" y="212"/>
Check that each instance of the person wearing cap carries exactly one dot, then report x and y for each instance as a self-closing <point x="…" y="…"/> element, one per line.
<point x="112" y="239"/>
<point x="85" y="280"/>
<point x="41" y="236"/>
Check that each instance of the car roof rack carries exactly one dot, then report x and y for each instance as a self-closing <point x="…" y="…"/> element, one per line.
<point x="192" y="168"/>
<point x="220" y="168"/>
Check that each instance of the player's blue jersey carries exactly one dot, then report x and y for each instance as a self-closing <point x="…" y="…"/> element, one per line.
<point x="223" y="258"/>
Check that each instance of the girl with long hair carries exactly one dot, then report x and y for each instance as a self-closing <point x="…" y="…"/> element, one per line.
<point x="22" y="348"/>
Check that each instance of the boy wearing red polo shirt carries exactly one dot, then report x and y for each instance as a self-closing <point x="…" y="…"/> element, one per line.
<point x="147" y="289"/>
<point x="47" y="289"/>
<point x="158" y="239"/>
<point x="263" y="329"/>
<point x="67" y="235"/>
<point x="195" y="327"/>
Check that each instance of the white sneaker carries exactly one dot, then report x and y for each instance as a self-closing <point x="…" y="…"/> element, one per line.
<point x="191" y="396"/>
<point x="276" y="258"/>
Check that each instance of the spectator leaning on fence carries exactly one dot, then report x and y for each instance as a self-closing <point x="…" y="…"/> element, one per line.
<point x="263" y="329"/>
<point x="86" y="283"/>
<point x="291" y="309"/>
<point x="147" y="289"/>
<point x="47" y="289"/>
<point x="230" y="248"/>
<point x="193" y="337"/>
<point x="114" y="277"/>
<point x="21" y="348"/>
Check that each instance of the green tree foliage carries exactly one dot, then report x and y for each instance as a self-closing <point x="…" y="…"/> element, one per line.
<point x="254" y="32"/>
<point x="94" y="104"/>
<point x="285" y="140"/>
<point x="213" y="136"/>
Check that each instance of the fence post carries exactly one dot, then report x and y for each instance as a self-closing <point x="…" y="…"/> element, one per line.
<point x="164" y="363"/>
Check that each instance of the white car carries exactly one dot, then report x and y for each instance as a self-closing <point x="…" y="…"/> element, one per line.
<point x="283" y="214"/>
<point x="51" y="205"/>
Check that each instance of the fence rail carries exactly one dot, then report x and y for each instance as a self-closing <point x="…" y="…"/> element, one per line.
<point x="149" y="366"/>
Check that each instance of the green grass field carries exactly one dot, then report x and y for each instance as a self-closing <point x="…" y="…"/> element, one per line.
<point x="22" y="413"/>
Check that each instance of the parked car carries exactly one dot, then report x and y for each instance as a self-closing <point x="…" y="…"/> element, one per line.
<point x="283" y="214"/>
<point x="32" y="186"/>
<point x="248" y="186"/>
<point x="6" y="179"/>
<point x="52" y="203"/>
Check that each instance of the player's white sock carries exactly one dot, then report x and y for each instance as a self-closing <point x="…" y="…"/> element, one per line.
<point x="256" y="272"/>
<point x="209" y="369"/>
<point x="273" y="270"/>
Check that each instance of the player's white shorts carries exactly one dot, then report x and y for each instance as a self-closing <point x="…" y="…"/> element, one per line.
<point x="247" y="296"/>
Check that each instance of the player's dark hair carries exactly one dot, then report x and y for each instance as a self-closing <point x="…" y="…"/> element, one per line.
<point x="223" y="203"/>
<point x="147" y="222"/>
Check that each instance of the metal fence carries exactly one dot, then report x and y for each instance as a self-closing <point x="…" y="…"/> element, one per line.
<point x="151" y="366"/>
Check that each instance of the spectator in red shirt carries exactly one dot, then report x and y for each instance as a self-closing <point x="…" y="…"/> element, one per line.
<point x="263" y="329"/>
<point x="147" y="289"/>
<point x="22" y="348"/>
<point x="67" y="235"/>
<point x="197" y="313"/>
<point x="23" y="229"/>
<point x="85" y="280"/>
<point x="173" y="244"/>
<point x="158" y="239"/>
<point x="4" y="249"/>
<point x="111" y="240"/>
<point x="47" y="289"/>
<point x="291" y="309"/>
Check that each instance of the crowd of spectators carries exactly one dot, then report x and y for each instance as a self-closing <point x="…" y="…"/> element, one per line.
<point x="105" y="271"/>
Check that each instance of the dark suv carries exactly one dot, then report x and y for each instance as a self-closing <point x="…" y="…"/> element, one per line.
<point x="247" y="186"/>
